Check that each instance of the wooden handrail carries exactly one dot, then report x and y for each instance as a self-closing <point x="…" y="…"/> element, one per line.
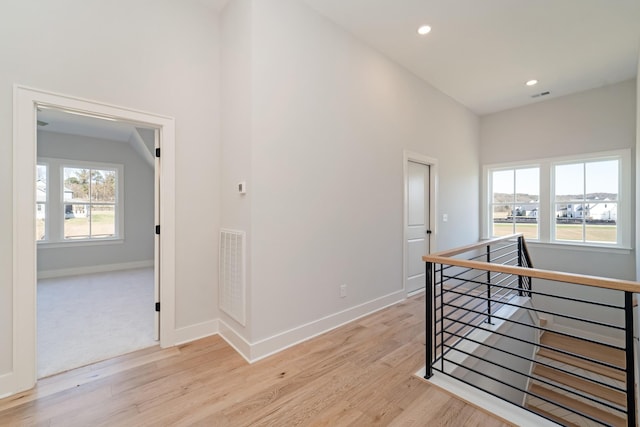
<point x="444" y="257"/>
<point x="481" y="244"/>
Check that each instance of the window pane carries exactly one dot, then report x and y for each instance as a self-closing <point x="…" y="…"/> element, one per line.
<point x="41" y="200"/>
<point x="76" y="221"/>
<point x="569" y="182"/>
<point x="601" y="232"/>
<point x="528" y="229"/>
<point x="76" y="184"/>
<point x="103" y="185"/>
<point x="568" y="227"/>
<point x="602" y="180"/>
<point x="503" y="190"/>
<point x="41" y="217"/>
<point x="41" y="183"/>
<point x="528" y="185"/>
<point x="502" y="220"/>
<point x="103" y="223"/>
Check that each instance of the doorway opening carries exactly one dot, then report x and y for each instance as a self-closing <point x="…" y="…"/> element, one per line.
<point x="27" y="102"/>
<point x="95" y="218"/>
<point x="420" y="175"/>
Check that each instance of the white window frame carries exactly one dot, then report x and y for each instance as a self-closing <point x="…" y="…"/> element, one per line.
<point x="55" y="203"/>
<point x="546" y="214"/>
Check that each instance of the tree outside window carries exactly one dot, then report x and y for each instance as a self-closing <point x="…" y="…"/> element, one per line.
<point x="89" y="200"/>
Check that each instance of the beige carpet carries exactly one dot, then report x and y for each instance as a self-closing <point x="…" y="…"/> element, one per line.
<point x="85" y="319"/>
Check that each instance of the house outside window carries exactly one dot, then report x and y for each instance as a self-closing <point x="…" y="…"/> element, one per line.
<point x="580" y="200"/>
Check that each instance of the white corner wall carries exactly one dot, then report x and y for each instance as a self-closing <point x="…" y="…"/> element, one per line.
<point x="595" y="120"/>
<point x="236" y="91"/>
<point x="160" y="56"/>
<point x="330" y="120"/>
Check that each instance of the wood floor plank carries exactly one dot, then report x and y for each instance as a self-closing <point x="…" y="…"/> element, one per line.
<point x="361" y="374"/>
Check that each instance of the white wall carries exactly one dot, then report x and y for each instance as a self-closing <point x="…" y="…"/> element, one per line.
<point x="138" y="203"/>
<point x="330" y="120"/>
<point x="596" y="120"/>
<point x="160" y="56"/>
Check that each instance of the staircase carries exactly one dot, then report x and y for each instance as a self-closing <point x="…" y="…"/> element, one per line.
<point x="561" y="380"/>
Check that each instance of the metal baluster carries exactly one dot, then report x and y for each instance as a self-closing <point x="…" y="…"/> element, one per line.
<point x="489" y="286"/>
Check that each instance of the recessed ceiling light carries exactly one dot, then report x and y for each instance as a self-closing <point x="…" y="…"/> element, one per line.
<point x="424" y="29"/>
<point x="532" y="82"/>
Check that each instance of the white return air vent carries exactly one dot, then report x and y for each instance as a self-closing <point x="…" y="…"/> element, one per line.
<point x="232" y="294"/>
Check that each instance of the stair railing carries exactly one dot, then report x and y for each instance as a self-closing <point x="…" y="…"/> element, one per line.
<point x="467" y="291"/>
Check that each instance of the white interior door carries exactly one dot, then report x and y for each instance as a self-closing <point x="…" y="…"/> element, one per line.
<point x="417" y="221"/>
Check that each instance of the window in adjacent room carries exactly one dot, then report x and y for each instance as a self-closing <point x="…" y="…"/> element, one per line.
<point x="78" y="201"/>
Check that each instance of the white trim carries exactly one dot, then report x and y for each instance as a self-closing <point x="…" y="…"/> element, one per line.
<point x="25" y="102"/>
<point x="91" y="269"/>
<point x="276" y="343"/>
<point x="580" y="247"/>
<point x="253" y="352"/>
<point x="235" y="340"/>
<point x="484" y="401"/>
<point x="411" y="156"/>
<point x="196" y="332"/>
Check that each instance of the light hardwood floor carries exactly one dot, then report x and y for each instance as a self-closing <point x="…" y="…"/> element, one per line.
<point x="361" y="374"/>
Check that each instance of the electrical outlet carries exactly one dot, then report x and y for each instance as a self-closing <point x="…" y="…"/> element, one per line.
<point x="343" y="291"/>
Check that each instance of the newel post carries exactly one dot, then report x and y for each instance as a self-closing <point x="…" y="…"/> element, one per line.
<point x="430" y="325"/>
<point x="630" y="358"/>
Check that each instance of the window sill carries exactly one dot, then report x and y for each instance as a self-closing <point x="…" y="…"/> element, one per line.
<point x="580" y="247"/>
<point x="78" y="243"/>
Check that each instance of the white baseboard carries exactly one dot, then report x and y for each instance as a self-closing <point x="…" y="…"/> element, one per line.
<point x="64" y="272"/>
<point x="252" y="352"/>
<point x="196" y="332"/>
<point x="235" y="340"/>
<point x="486" y="402"/>
<point x="276" y="343"/>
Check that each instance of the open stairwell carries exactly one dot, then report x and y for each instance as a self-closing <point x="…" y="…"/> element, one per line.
<point x="563" y="383"/>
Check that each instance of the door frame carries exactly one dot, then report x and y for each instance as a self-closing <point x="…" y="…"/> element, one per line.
<point x="411" y="156"/>
<point x="25" y="102"/>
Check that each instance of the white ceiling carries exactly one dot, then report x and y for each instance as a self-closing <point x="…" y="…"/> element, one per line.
<point x="481" y="52"/>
